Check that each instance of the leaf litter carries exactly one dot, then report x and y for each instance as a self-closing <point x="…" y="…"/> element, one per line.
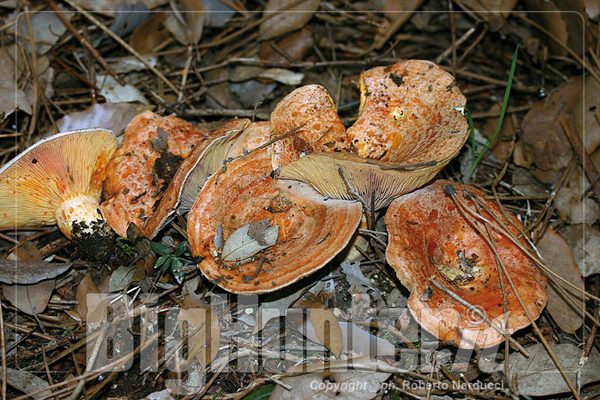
<point x="228" y="72"/>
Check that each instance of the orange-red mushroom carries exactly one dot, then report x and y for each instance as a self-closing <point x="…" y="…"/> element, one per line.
<point x="311" y="111"/>
<point x="141" y="169"/>
<point x="57" y="181"/>
<point x="257" y="234"/>
<point x="409" y="113"/>
<point x="432" y="244"/>
<point x="410" y="127"/>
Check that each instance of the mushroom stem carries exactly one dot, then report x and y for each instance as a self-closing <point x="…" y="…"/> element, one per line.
<point x="82" y="209"/>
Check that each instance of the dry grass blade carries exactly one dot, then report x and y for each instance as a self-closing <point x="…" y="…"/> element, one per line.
<point x="491" y="242"/>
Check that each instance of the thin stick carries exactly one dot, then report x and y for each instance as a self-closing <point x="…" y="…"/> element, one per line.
<point x="479" y="313"/>
<point x="537" y="330"/>
<point x="560" y="43"/>
<point x="3" y="349"/>
<point x="91" y="360"/>
<point x="84" y="42"/>
<point x="584" y="159"/>
<point x="123" y="43"/>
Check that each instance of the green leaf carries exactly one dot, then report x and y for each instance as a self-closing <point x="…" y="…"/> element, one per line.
<point x="261" y="394"/>
<point x="166" y="265"/>
<point x="511" y="75"/>
<point x="161" y="260"/>
<point x="176" y="265"/>
<point x="181" y="248"/>
<point x="159" y="248"/>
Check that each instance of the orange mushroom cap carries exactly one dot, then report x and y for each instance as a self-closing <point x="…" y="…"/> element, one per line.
<point x="309" y="230"/>
<point x="57" y="181"/>
<point x="408" y="114"/>
<point x="430" y="237"/>
<point x="254" y="136"/>
<point x="311" y="110"/>
<point x="141" y="168"/>
<point x="206" y="158"/>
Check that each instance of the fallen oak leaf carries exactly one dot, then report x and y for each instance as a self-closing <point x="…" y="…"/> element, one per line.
<point x="204" y="328"/>
<point x="566" y="311"/>
<point x="248" y="240"/>
<point x="538" y="376"/>
<point x="31" y="299"/>
<point x="27" y="273"/>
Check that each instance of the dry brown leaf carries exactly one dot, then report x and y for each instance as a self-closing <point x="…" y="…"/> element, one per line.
<point x="573" y="208"/>
<point x="502" y="144"/>
<point x="109" y="7"/>
<point x="584" y="115"/>
<point x="195" y="16"/>
<point x="26" y="382"/>
<point x="296" y="45"/>
<point x="584" y="241"/>
<point x="150" y="34"/>
<point x="563" y="18"/>
<point x="544" y="142"/>
<point x="27" y="273"/>
<point x="398" y="12"/>
<point x="327" y="329"/>
<point x="537" y="375"/>
<point x="289" y="20"/>
<point x="86" y="286"/>
<point x="31" y="299"/>
<point x="567" y="312"/>
<point x="204" y="328"/>
<point x="113" y="116"/>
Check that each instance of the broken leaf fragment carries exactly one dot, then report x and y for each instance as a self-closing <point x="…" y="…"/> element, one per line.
<point x="248" y="240"/>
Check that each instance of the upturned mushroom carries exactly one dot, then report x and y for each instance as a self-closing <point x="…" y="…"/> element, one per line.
<point x="58" y="181"/>
<point x="410" y="127"/>
<point x="253" y="231"/>
<point x="206" y="158"/>
<point x="452" y="271"/>
<point x="140" y="170"/>
<point x="310" y="113"/>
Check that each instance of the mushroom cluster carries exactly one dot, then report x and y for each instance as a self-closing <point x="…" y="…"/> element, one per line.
<point x="259" y="194"/>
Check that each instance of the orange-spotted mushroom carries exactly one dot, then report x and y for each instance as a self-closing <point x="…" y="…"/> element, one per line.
<point x="58" y="181"/>
<point x="409" y="128"/>
<point x="409" y="114"/>
<point x="253" y="231"/>
<point x="452" y="270"/>
<point x="140" y="170"/>
<point x="311" y="111"/>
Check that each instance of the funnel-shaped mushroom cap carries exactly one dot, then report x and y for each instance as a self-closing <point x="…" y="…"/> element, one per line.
<point x="56" y="181"/>
<point x="305" y="230"/>
<point x="311" y="108"/>
<point x="377" y="183"/>
<point x="206" y="158"/>
<point x="430" y="237"/>
<point x="140" y="170"/>
<point x="254" y="136"/>
<point x="408" y="114"/>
